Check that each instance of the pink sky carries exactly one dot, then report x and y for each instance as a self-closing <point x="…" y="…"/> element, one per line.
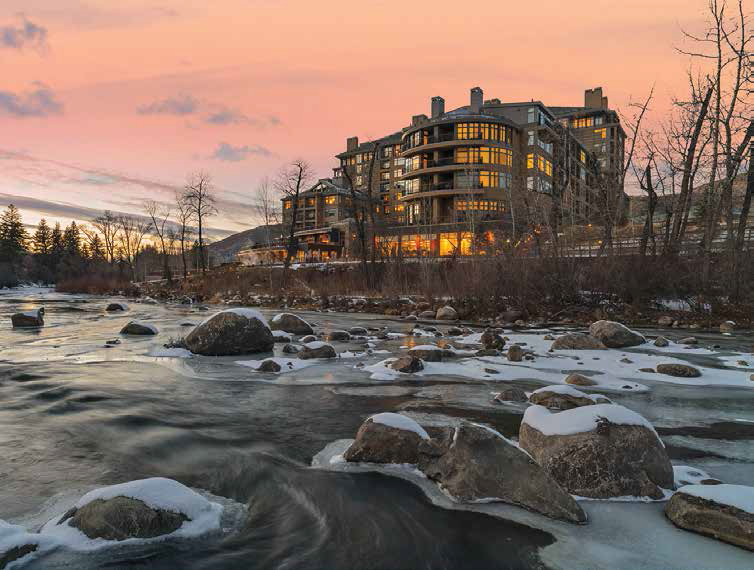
<point x="133" y="95"/>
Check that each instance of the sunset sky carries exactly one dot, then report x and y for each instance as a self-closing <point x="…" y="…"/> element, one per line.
<point x="105" y="103"/>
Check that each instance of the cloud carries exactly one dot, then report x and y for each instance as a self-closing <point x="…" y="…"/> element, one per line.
<point x="179" y="106"/>
<point x="27" y="34"/>
<point x="230" y="153"/>
<point x="38" y="102"/>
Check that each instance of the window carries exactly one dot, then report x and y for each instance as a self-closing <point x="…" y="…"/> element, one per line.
<point x="398" y="172"/>
<point x="598" y="120"/>
<point x="602" y="133"/>
<point x="484" y="131"/>
<point x="530" y="160"/>
<point x="531" y="138"/>
<point x="359" y="180"/>
<point x="384" y="186"/>
<point x="287" y="205"/>
<point x="582" y="156"/>
<point x="384" y="176"/>
<point x="582" y="123"/>
<point x="385" y="164"/>
<point x="532" y="115"/>
<point x="329" y="200"/>
<point x="387" y="151"/>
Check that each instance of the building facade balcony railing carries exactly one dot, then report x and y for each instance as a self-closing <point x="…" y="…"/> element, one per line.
<point x="473" y="137"/>
<point x="452" y="164"/>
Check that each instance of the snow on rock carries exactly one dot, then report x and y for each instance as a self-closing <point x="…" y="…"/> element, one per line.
<point x="685" y="475"/>
<point x="399" y="421"/>
<point x="737" y="496"/>
<point x="580" y="420"/>
<point x="157" y="493"/>
<point x="567" y="390"/>
<point x="240" y="311"/>
<point x="21" y="545"/>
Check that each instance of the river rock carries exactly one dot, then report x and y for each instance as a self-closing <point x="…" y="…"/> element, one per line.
<point x="561" y="397"/>
<point x="317" y="350"/>
<point x="15" y="553"/>
<point x="269" y="366"/>
<point x="727" y="327"/>
<point x="334" y="336"/>
<point x="511" y="395"/>
<point x="662" y="342"/>
<point x="290" y="323"/>
<point x="477" y="463"/>
<point x="446" y="313"/>
<point x="723" y="512"/>
<point x="455" y="331"/>
<point x="598" y="451"/>
<point x="492" y="341"/>
<point x="487" y="352"/>
<point x="357" y="331"/>
<point x="407" y="364"/>
<point x="29" y="319"/>
<point x="427" y="353"/>
<point x="689" y="340"/>
<point x="576" y="379"/>
<point x="309" y="338"/>
<point x="231" y="332"/>
<point x="427" y="315"/>
<point x="116" y="307"/>
<point x="139" y="329"/>
<point x="121" y="518"/>
<point x="665" y="321"/>
<point x="615" y="335"/>
<point x="290" y="349"/>
<point x="577" y="341"/>
<point x="679" y="370"/>
<point x="387" y="438"/>
<point x="515" y="353"/>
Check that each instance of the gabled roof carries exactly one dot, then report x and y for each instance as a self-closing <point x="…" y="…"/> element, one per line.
<point x="322" y="186"/>
<point x="394" y="138"/>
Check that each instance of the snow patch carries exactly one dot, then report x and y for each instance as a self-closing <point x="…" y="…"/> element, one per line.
<point x="171" y="353"/>
<point x="738" y="496"/>
<point x="581" y="420"/>
<point x="240" y="311"/>
<point x="401" y="422"/>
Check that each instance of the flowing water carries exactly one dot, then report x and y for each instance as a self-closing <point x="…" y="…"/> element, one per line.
<point x="76" y="414"/>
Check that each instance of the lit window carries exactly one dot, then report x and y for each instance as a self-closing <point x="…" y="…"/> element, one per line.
<point x="329" y="199"/>
<point x="602" y="133"/>
<point x="529" y="160"/>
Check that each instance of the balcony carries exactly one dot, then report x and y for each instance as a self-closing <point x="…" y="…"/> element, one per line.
<point x="445" y="189"/>
<point x="450" y="164"/>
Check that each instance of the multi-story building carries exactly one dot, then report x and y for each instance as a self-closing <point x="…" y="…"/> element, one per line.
<point x="489" y="168"/>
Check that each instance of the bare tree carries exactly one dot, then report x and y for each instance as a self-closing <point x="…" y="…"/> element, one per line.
<point x="200" y="201"/>
<point x="184" y="232"/>
<point x="160" y="214"/>
<point x="131" y="236"/>
<point x="293" y="179"/>
<point x="266" y="207"/>
<point x="108" y="227"/>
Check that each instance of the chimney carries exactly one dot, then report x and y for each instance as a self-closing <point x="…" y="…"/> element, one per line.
<point x="477" y="96"/>
<point x="593" y="99"/>
<point x="438" y="107"/>
<point x="352" y="143"/>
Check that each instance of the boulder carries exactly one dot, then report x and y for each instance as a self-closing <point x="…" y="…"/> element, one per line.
<point x="116" y="307"/>
<point x="446" y="313"/>
<point x="139" y="329"/>
<point x="269" y="366"/>
<point x="577" y="341"/>
<point x="689" y="340"/>
<point x="679" y="370"/>
<point x="455" y="331"/>
<point x="576" y="379"/>
<point x="727" y="327"/>
<point x="564" y="398"/>
<point x="723" y="512"/>
<point x="428" y="353"/>
<point x="357" y="331"/>
<point x="290" y="323"/>
<point x="662" y="342"/>
<point x="665" y="321"/>
<point x="281" y="338"/>
<point x="231" y="332"/>
<point x="309" y="338"/>
<point x="615" y="335"/>
<point x="427" y="315"/>
<point x="334" y="336"/>
<point x="598" y="451"/>
<point x="476" y="463"/>
<point x="387" y="438"/>
<point x="290" y="349"/>
<point x="317" y="350"/>
<point x="515" y="353"/>
<point x="407" y="364"/>
<point x="492" y="341"/>
<point x="511" y="395"/>
<point x="487" y="352"/>
<point x="121" y="518"/>
<point x="29" y="319"/>
<point x="15" y="553"/>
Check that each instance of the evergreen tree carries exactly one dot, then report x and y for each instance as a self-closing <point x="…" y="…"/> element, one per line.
<point x="56" y="240"/>
<point x="72" y="240"/>
<point x="96" y="248"/>
<point x="42" y="240"/>
<point x="13" y="236"/>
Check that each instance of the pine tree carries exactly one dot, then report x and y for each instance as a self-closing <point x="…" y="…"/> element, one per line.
<point x="13" y="236"/>
<point x="42" y="240"/>
<point x="56" y="240"/>
<point x="72" y="240"/>
<point x="96" y="248"/>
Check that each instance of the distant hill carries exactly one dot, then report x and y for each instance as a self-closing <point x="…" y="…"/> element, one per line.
<point x="226" y="249"/>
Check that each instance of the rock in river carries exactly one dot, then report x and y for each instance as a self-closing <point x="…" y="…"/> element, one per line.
<point x="29" y="319"/>
<point x="231" y="332"/>
<point x="577" y="341"/>
<point x="317" y="349"/>
<point x="598" y="451"/>
<point x="407" y="364"/>
<point x="615" y="335"/>
<point x="387" y="438"/>
<point x="564" y="398"/>
<point x="290" y="323"/>
<point x="679" y="370"/>
<point x="116" y="307"/>
<point x="724" y="512"/>
<point x="446" y="313"/>
<point x="138" y="328"/>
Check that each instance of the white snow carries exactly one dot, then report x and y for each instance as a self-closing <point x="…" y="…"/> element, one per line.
<point x="581" y="420"/>
<point x="684" y="475"/>
<point x="425" y="347"/>
<point x="161" y="352"/>
<point x="737" y="496"/>
<point x="281" y="334"/>
<point x="316" y="344"/>
<point x="401" y="422"/>
<point x="568" y="390"/>
<point x="241" y="311"/>
<point x="156" y="492"/>
<point x="12" y="536"/>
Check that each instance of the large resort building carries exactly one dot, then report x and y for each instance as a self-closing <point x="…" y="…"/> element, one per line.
<point x="462" y="181"/>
